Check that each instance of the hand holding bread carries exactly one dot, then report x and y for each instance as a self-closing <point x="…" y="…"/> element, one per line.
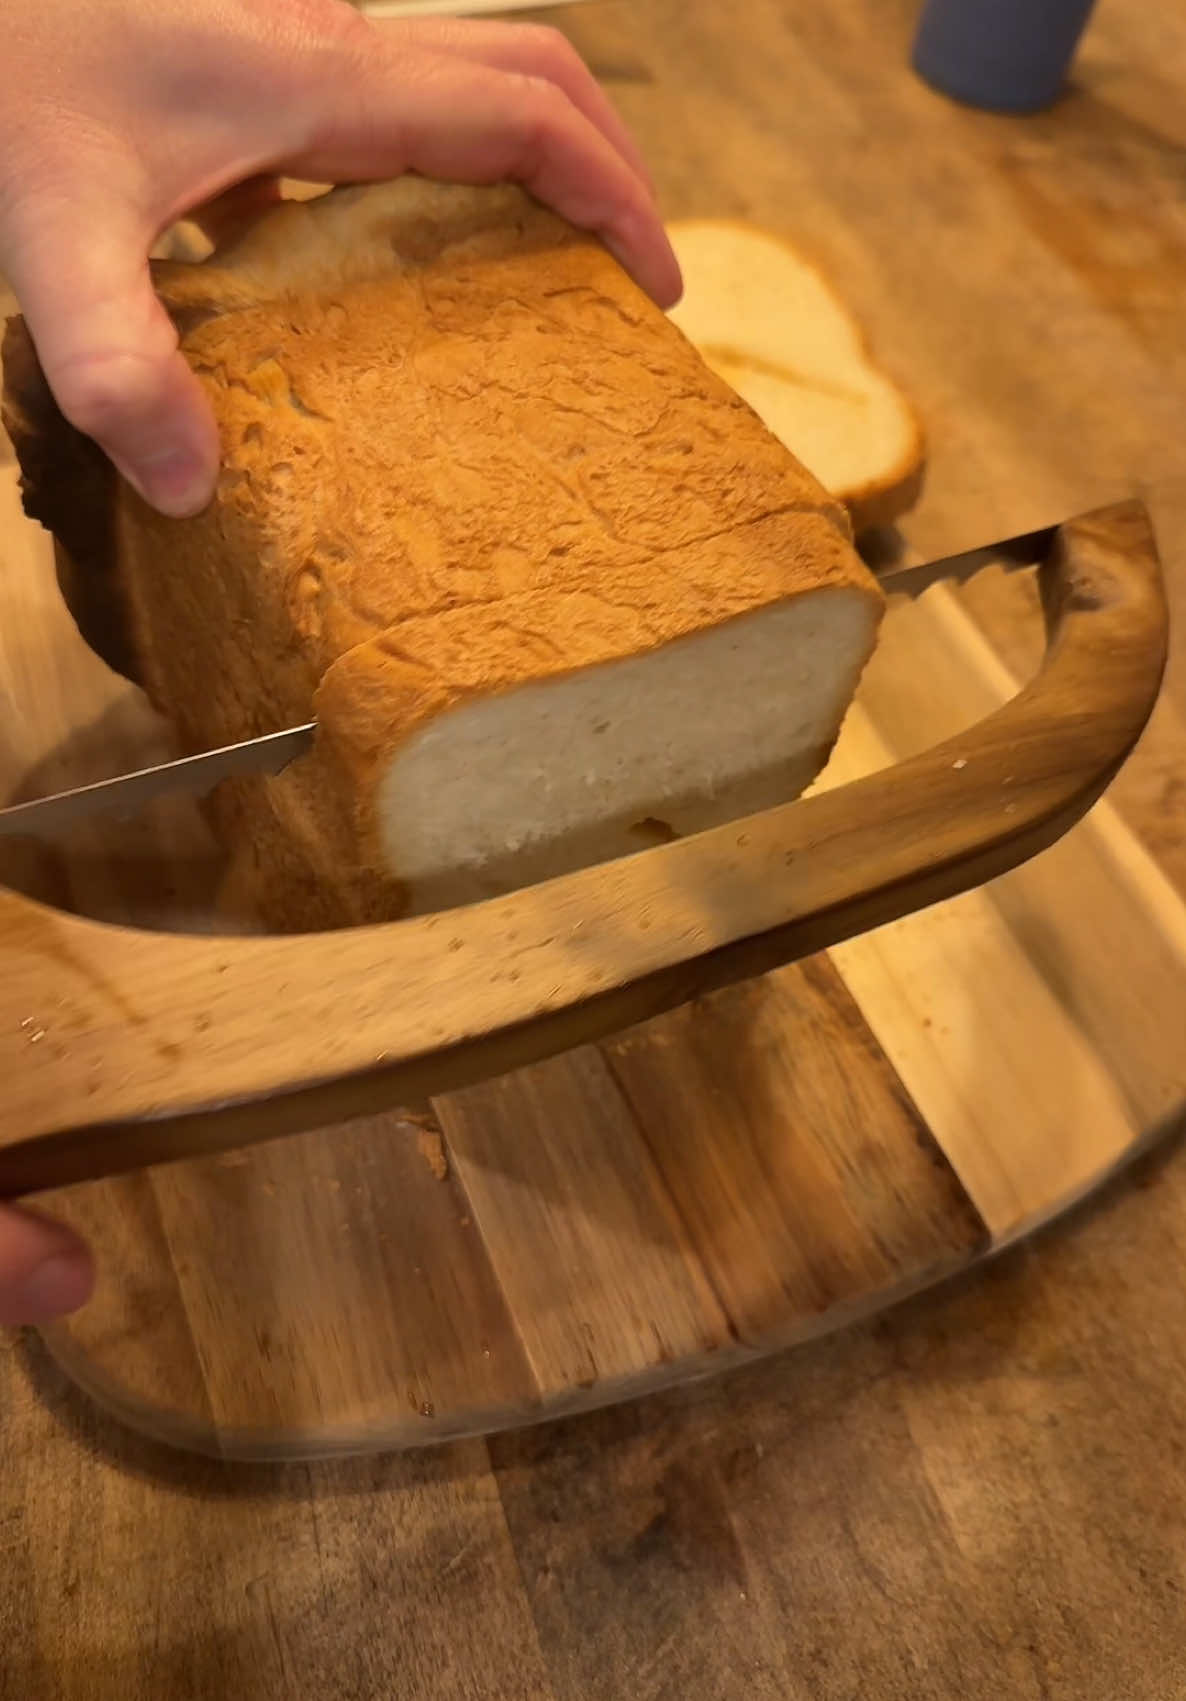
<point x="117" y="117"/>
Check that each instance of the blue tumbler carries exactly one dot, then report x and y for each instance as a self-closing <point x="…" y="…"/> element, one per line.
<point x="1006" y="55"/>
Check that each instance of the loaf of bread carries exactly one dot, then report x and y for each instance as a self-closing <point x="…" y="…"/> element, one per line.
<point x="768" y="322"/>
<point x="550" y="588"/>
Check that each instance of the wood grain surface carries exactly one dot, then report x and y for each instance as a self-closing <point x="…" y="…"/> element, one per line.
<point x="985" y="1489"/>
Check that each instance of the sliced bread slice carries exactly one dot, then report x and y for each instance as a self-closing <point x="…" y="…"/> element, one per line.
<point x="768" y="323"/>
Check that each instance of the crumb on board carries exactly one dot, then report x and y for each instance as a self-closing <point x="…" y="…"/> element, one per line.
<point x="420" y="1116"/>
<point x="429" y="1137"/>
<point x="432" y="1149"/>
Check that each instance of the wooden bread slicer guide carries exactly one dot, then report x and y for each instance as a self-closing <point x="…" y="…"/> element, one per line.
<point x="177" y="1044"/>
<point x="687" y="1109"/>
<point x="758" y="1166"/>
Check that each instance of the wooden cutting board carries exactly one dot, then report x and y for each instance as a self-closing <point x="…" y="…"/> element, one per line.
<point x="756" y="1168"/>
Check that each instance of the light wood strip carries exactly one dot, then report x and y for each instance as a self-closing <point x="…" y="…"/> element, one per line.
<point x="602" y="1277"/>
<point x="808" y="1183"/>
<point x="1012" y="1089"/>
<point x="1106" y="925"/>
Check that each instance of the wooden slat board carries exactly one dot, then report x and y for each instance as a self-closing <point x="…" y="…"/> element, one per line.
<point x="755" y="1169"/>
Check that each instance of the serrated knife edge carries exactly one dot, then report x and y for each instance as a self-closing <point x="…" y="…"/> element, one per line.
<point x="130" y="792"/>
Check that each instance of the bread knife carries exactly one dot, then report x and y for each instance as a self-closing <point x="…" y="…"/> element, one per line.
<point x="271" y="754"/>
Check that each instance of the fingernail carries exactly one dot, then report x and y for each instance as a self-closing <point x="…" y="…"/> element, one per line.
<point x="178" y="482"/>
<point x="60" y="1284"/>
<point x="655" y="269"/>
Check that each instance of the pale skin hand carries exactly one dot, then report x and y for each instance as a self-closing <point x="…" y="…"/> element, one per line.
<point x="118" y="117"/>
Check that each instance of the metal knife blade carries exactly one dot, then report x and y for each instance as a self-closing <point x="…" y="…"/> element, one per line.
<point x="130" y="792"/>
<point x="271" y="754"/>
<point x="1028" y="549"/>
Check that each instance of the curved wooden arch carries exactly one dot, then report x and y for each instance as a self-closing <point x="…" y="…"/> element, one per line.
<point x="172" y="1046"/>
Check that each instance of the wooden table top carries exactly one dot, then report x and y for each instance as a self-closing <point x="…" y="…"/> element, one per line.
<point x="984" y="1492"/>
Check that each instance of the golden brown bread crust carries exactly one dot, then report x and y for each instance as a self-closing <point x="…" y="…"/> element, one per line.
<point x="883" y="501"/>
<point x="462" y="451"/>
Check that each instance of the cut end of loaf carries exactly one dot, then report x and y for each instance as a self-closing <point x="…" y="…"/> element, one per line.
<point x="538" y="782"/>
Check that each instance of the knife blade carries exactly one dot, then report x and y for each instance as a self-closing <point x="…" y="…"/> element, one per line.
<point x="271" y="754"/>
<point x="129" y="792"/>
<point x="1028" y="549"/>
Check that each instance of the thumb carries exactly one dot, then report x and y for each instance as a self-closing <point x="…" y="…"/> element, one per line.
<point x="110" y="355"/>
<point x="44" y="1269"/>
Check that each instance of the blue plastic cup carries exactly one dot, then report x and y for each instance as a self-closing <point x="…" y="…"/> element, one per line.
<point x="1005" y="55"/>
